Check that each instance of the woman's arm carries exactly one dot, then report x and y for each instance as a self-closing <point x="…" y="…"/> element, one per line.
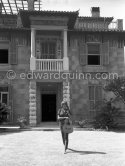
<point x="61" y="118"/>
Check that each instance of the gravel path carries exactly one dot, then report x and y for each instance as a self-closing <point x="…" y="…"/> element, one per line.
<point x="45" y="148"/>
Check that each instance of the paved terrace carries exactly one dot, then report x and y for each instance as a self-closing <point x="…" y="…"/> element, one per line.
<point x="45" y="148"/>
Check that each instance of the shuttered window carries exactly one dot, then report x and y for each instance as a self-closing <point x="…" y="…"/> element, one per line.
<point x="4" y="95"/>
<point x="48" y="49"/>
<point x="82" y="53"/>
<point x="59" y="49"/>
<point x="94" y="53"/>
<point x="120" y="43"/>
<point x="94" y="57"/>
<point x="95" y="97"/>
<point x="7" y="98"/>
<point x="105" y="53"/>
<point x="4" y="52"/>
<point x="4" y="56"/>
<point x="13" y="53"/>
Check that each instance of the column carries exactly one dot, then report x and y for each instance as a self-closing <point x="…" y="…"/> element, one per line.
<point x="66" y="92"/>
<point x="32" y="103"/>
<point x="65" y="58"/>
<point x="32" y="58"/>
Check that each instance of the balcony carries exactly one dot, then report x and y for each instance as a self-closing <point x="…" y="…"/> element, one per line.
<point x="113" y="25"/>
<point x="48" y="54"/>
<point x="87" y="25"/>
<point x="49" y="64"/>
<point x="46" y="65"/>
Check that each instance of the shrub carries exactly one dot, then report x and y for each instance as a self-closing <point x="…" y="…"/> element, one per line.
<point x="4" y="111"/>
<point x="107" y="117"/>
<point x="21" y="120"/>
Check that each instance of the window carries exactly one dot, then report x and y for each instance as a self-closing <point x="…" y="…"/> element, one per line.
<point x="46" y="50"/>
<point x="4" y="52"/>
<point x="3" y="56"/>
<point x="95" y="97"/>
<point x="120" y="43"/>
<point x="93" y="54"/>
<point x="4" y="95"/>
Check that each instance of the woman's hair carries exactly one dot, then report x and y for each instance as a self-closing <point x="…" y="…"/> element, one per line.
<point x="67" y="107"/>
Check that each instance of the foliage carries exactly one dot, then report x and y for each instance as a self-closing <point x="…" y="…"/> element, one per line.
<point x="82" y="123"/>
<point x="107" y="117"/>
<point x="4" y="111"/>
<point x="21" y="119"/>
<point x="117" y="86"/>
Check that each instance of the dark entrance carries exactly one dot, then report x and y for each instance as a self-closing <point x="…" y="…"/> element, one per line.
<point x="48" y="105"/>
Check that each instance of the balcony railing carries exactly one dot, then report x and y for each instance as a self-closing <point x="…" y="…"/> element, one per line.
<point x="89" y="25"/>
<point x="113" y="25"/>
<point x="49" y="64"/>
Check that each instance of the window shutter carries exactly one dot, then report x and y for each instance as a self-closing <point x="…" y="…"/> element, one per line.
<point x="98" y="93"/>
<point x="105" y="53"/>
<point x="92" y="105"/>
<point x="91" y="97"/>
<point x="82" y="54"/>
<point x="38" y="52"/>
<point x="13" y="53"/>
<point x="10" y="103"/>
<point x="98" y="97"/>
<point x="91" y="92"/>
<point x="59" y="49"/>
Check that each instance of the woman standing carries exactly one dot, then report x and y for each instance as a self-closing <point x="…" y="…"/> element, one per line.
<point x="63" y="114"/>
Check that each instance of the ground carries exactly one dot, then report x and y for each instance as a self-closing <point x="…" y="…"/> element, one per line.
<point x="45" y="148"/>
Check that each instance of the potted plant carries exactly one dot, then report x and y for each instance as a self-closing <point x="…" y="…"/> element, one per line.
<point x="21" y="121"/>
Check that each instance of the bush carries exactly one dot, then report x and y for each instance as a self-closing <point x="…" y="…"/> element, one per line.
<point x="82" y="123"/>
<point x="3" y="112"/>
<point x="107" y="117"/>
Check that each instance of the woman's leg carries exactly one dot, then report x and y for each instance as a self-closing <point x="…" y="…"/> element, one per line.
<point x="66" y="140"/>
<point x="63" y="135"/>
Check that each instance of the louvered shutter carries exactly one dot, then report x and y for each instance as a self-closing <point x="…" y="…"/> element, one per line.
<point x="82" y="54"/>
<point x="59" y="49"/>
<point x="91" y="92"/>
<point x="10" y="90"/>
<point x="98" y="97"/>
<point x="13" y="53"/>
<point x="38" y="51"/>
<point x="91" y="97"/>
<point x="105" y="53"/>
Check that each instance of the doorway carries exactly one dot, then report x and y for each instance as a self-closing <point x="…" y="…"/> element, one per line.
<point x="48" y="107"/>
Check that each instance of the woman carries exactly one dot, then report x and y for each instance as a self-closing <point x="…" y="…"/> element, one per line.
<point x="63" y="114"/>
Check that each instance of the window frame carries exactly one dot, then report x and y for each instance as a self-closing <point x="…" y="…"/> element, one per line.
<point x="94" y="100"/>
<point x="5" y="45"/>
<point x="94" y="43"/>
<point x="49" y="44"/>
<point x="7" y="97"/>
<point x="38" y="51"/>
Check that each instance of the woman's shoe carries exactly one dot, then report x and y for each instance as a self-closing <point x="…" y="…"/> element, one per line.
<point x="65" y="151"/>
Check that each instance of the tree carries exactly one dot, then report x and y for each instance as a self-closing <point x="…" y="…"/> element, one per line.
<point x="107" y="117"/>
<point x="117" y="86"/>
<point x="109" y="114"/>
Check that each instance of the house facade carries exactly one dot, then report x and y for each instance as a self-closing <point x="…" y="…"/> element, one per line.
<point x="50" y="56"/>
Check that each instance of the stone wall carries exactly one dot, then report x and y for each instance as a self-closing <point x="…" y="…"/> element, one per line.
<point x="20" y="86"/>
<point x="79" y="88"/>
